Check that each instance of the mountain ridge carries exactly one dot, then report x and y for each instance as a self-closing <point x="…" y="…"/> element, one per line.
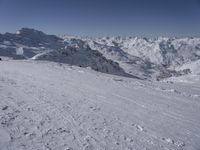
<point x="32" y="44"/>
<point x="145" y="58"/>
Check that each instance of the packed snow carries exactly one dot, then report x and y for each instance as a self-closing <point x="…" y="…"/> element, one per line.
<point x="48" y="105"/>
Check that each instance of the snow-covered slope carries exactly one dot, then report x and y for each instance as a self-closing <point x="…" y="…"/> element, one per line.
<point x="193" y="77"/>
<point x="194" y="67"/>
<point x="46" y="105"/>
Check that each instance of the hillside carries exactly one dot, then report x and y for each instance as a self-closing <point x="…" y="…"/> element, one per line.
<point x="46" y="105"/>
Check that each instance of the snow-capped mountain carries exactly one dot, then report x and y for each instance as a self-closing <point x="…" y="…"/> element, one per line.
<point x="30" y="43"/>
<point x="26" y="43"/>
<point x="161" y="51"/>
<point x="146" y="57"/>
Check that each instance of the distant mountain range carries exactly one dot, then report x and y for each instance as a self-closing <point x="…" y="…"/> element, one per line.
<point x="144" y="58"/>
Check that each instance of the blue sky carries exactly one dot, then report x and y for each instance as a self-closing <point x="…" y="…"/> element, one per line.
<point x="103" y="17"/>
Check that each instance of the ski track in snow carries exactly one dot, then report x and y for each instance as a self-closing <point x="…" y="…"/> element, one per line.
<point x="45" y="105"/>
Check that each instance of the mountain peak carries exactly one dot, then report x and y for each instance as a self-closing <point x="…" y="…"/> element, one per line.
<point x="28" y="31"/>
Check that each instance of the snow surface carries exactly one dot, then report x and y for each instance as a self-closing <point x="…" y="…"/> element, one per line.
<point x="47" y="105"/>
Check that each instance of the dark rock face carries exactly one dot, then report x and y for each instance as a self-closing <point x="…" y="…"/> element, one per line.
<point x="172" y="73"/>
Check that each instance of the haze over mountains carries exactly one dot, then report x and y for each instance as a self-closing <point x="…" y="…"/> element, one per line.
<point x="144" y="58"/>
